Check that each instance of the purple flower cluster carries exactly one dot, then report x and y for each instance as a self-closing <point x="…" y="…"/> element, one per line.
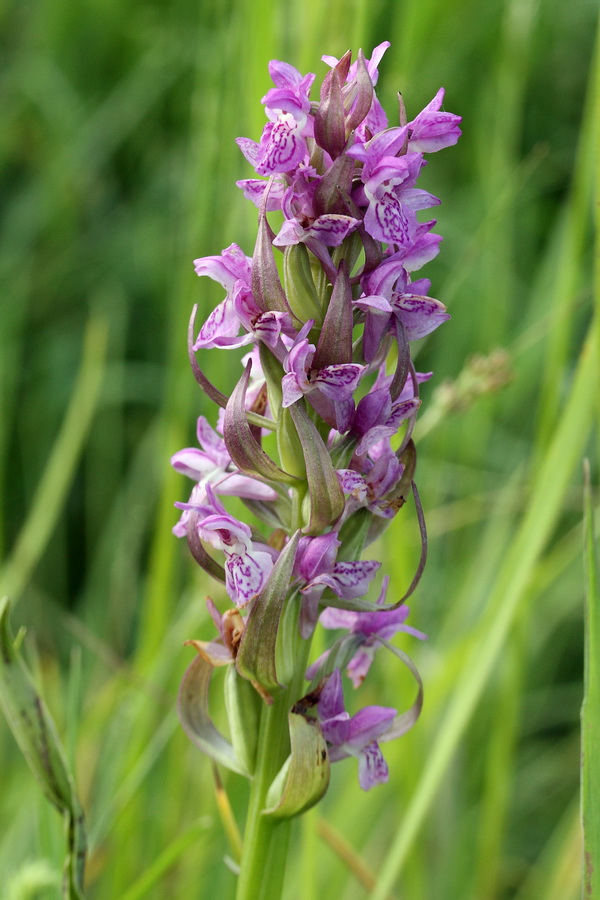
<point x="308" y="438"/>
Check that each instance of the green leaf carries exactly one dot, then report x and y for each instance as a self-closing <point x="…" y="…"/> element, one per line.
<point x="35" y="733"/>
<point x="304" y="777"/>
<point x="590" y="712"/>
<point x="192" y="706"/>
<point x="404" y="721"/>
<point x="256" y="655"/>
<point x="353" y="535"/>
<point x="242" y="705"/>
<point x="375" y="530"/>
<point x="243" y="447"/>
<point x="289" y="446"/>
<point x="273" y="372"/>
<point x="326" y="496"/>
<point x="275" y="513"/>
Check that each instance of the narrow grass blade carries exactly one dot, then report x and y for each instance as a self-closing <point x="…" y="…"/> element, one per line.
<point x="35" y="733"/>
<point x="165" y="861"/>
<point x="590" y="712"/>
<point x="58" y="474"/>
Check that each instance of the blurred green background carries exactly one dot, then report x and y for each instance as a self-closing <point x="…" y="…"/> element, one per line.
<point x="118" y="168"/>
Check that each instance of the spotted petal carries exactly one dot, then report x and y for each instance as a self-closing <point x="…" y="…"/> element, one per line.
<point x="221" y="323"/>
<point x="388" y="220"/>
<point x="246" y="575"/>
<point x="372" y="767"/>
<point x="282" y="146"/>
<point x="419" y="315"/>
<point x="348" y="579"/>
<point x="338" y="382"/>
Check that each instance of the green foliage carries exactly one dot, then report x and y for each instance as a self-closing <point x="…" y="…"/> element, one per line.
<point x="590" y="713"/>
<point x="118" y="169"/>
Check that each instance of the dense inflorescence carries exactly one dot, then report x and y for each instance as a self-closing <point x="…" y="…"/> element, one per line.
<point x="316" y="437"/>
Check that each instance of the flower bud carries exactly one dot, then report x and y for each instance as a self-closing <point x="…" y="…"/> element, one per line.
<point x="289" y="446"/>
<point x="300" y="289"/>
<point x="330" y="119"/>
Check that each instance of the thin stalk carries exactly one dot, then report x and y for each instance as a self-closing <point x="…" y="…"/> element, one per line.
<point x="266" y="839"/>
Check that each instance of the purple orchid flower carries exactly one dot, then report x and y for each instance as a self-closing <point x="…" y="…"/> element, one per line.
<point x="432" y="129"/>
<point x="281" y="149"/>
<point x="231" y="270"/>
<point x="389" y="294"/>
<point x="212" y="465"/>
<point x="316" y="566"/>
<point x="389" y="187"/>
<point x="292" y="90"/>
<point x="346" y="187"/>
<point x="372" y="626"/>
<point x="393" y="200"/>
<point x="380" y="475"/>
<point x="301" y="224"/>
<point x="354" y="735"/>
<point x="247" y="564"/>
<point x="282" y="145"/>
<point x="254" y="190"/>
<point x="239" y="309"/>
<point x="378" y="417"/>
<point x="333" y="384"/>
<point x="418" y="314"/>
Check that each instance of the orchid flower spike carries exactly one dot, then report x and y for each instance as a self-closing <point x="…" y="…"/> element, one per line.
<point x="312" y="456"/>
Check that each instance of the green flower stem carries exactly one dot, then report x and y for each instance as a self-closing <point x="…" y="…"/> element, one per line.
<point x="297" y="521"/>
<point x="266" y="839"/>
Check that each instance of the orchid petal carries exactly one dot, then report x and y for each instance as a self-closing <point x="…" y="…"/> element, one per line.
<point x="419" y="315"/>
<point x="332" y="229"/>
<point x="354" y="577"/>
<point x="338" y="382"/>
<point x="372" y="767"/>
<point x="386" y="220"/>
<point x="246" y="575"/>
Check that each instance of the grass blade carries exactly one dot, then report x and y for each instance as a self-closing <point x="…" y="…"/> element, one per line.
<point x="590" y="712"/>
